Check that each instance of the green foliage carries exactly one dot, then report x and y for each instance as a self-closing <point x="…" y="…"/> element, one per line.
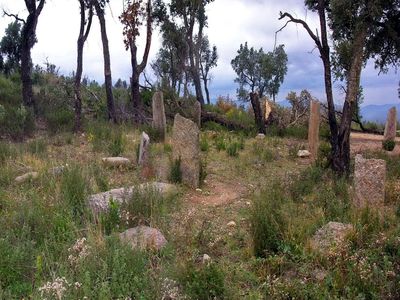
<point x="204" y="145"/>
<point x="233" y="149"/>
<point x="267" y="222"/>
<point x="6" y="151"/>
<point x="175" y="175"/>
<point x="73" y="191"/>
<point x="10" y="48"/>
<point x="305" y="182"/>
<point x="324" y="155"/>
<point x="263" y="152"/>
<point x="117" y="143"/>
<point x="220" y="143"/>
<point x="111" y="219"/>
<point x="99" y="134"/>
<point x="37" y="147"/>
<point x="388" y="145"/>
<point x="204" y="282"/>
<point x="60" y="119"/>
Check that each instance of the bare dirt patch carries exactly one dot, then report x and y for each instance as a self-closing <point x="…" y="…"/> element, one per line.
<point x="362" y="142"/>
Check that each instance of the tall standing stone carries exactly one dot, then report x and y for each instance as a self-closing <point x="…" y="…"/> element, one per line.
<point x="391" y="124"/>
<point x="159" y="119"/>
<point x="144" y="150"/>
<point x="313" y="129"/>
<point x="197" y="113"/>
<point x="369" y="181"/>
<point x="186" y="147"/>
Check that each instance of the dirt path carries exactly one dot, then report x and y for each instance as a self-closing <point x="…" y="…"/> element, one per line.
<point x="361" y="142"/>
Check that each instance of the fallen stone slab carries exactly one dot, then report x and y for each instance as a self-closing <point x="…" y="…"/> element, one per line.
<point x="26" y="177"/>
<point x="116" y="161"/>
<point x="329" y="236"/>
<point x="99" y="203"/>
<point x="143" y="238"/>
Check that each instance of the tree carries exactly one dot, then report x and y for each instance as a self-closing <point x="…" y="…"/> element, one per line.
<point x="300" y="105"/>
<point x="208" y="60"/>
<point x="99" y="6"/>
<point x="10" y="48"/>
<point x="279" y="70"/>
<point x="365" y="29"/>
<point x="192" y="12"/>
<point x="84" y="29"/>
<point x="131" y="18"/>
<point x="28" y="40"/>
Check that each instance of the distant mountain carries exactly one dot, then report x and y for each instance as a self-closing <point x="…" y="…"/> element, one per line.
<point x="378" y="113"/>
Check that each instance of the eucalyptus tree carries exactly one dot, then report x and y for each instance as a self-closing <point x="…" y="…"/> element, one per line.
<point x="28" y="40"/>
<point x="279" y="70"/>
<point x="208" y="60"/>
<point x="131" y="18"/>
<point x="86" y="17"/>
<point x="10" y="48"/>
<point x="99" y="7"/>
<point x="360" y="29"/>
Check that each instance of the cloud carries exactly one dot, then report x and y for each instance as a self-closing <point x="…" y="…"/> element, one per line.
<point x="231" y="22"/>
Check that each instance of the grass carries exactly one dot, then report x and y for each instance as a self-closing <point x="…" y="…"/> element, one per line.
<point x="47" y="234"/>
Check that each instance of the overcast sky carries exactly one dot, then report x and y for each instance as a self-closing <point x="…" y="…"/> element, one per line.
<point x="231" y="22"/>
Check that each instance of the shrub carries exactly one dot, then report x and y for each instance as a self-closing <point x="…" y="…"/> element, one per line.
<point x="267" y="222"/>
<point x="305" y="182"/>
<point x="205" y="282"/>
<point x="175" y="175"/>
<point x="98" y="134"/>
<point x="73" y="191"/>
<point x="60" y="119"/>
<point x="16" y="122"/>
<point x="111" y="219"/>
<point x="388" y="145"/>
<point x="220" y="143"/>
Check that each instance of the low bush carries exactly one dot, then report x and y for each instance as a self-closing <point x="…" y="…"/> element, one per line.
<point x="304" y="183"/>
<point x="267" y="222"/>
<point x="233" y="149"/>
<point x="74" y="191"/>
<point x="388" y="145"/>
<point x="60" y="119"/>
<point x="204" y="145"/>
<point x="117" y="143"/>
<point x="37" y="147"/>
<point x="175" y="175"/>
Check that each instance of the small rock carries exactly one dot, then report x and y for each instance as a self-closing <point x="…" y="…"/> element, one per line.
<point x="320" y="274"/>
<point x="26" y="177"/>
<point x="57" y="170"/>
<point x="231" y="224"/>
<point x="206" y="258"/>
<point x="303" y="153"/>
<point x="260" y="136"/>
<point x="143" y="238"/>
<point x="199" y="190"/>
<point x="116" y="161"/>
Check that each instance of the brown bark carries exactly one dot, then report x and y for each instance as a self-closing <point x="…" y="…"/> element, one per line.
<point x="137" y="103"/>
<point x="107" y="62"/>
<point x="28" y="40"/>
<point x="258" y="116"/>
<point x="83" y="34"/>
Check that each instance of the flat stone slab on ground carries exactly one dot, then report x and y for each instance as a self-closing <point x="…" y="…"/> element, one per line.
<point x="329" y="236"/>
<point x="143" y="238"/>
<point x="303" y="153"/>
<point x="26" y="177"/>
<point x="100" y="202"/>
<point x="116" y="161"/>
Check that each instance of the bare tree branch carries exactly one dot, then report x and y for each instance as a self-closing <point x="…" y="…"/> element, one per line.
<point x="13" y="16"/>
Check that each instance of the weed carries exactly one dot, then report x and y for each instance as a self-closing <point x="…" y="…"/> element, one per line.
<point x="117" y="144"/>
<point x="204" y="146"/>
<point x="111" y="220"/>
<point x="6" y="151"/>
<point x="204" y="282"/>
<point x="175" y="175"/>
<point x="232" y="149"/>
<point x="73" y="191"/>
<point x="220" y="144"/>
<point x="305" y="182"/>
<point x="37" y="147"/>
<point x="267" y="223"/>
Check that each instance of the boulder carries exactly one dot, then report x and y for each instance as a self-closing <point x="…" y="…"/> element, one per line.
<point x="99" y="203"/>
<point x="197" y="113"/>
<point x="26" y="177"/>
<point x="116" y="161"/>
<point x="260" y="136"/>
<point x="143" y="238"/>
<point x="330" y="236"/>
<point x="391" y="124"/>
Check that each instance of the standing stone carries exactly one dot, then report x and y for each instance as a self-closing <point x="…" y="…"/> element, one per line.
<point x="159" y="119"/>
<point x="391" y="124"/>
<point x="197" y="113"/>
<point x="186" y="146"/>
<point x="313" y="129"/>
<point x="369" y="181"/>
<point x="144" y="150"/>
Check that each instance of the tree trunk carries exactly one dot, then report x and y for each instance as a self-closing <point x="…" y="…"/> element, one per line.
<point x="207" y="91"/>
<point x="258" y="118"/>
<point x="137" y="106"/>
<point x="107" y="63"/>
<point x="79" y="69"/>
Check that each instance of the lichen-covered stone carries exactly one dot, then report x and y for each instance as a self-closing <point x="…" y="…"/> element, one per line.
<point x="369" y="181"/>
<point x="143" y="238"/>
<point x="330" y="236"/>
<point x="116" y="161"/>
<point x="159" y="118"/>
<point x="26" y="177"/>
<point x="391" y="125"/>
<point x="186" y="147"/>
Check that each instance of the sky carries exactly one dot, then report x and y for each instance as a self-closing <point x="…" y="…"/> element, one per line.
<point x="230" y="23"/>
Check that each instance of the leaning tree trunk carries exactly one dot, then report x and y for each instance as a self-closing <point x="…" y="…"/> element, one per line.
<point x="207" y="91"/>
<point x="258" y="118"/>
<point x="137" y="106"/>
<point x="107" y="63"/>
<point x="353" y="86"/>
